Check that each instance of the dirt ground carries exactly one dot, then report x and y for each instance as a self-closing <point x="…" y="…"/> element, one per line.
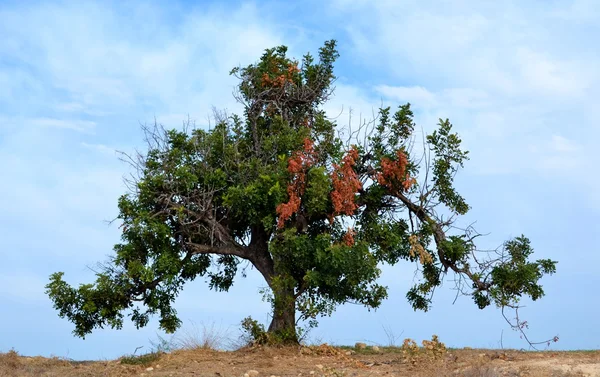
<point x="317" y="361"/>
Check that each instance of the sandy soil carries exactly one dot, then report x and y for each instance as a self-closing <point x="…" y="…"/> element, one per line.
<point x="318" y="361"/>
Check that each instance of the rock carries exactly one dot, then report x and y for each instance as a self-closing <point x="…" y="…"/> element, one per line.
<point x="467" y="348"/>
<point x="452" y="358"/>
<point x="376" y="349"/>
<point x="360" y="346"/>
<point x="246" y="375"/>
<point x="252" y="373"/>
<point x="312" y="372"/>
<point x="319" y="366"/>
<point x="149" y="369"/>
<point x="350" y="352"/>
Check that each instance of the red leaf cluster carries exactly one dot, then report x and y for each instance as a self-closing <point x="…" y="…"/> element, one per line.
<point x="298" y="165"/>
<point x="281" y="77"/>
<point x="348" y="238"/>
<point x="393" y="173"/>
<point x="275" y="79"/>
<point x="345" y="185"/>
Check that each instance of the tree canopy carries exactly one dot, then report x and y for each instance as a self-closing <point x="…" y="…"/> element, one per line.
<point x="316" y="213"/>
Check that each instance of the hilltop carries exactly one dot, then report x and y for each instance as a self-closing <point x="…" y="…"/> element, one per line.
<point x="323" y="360"/>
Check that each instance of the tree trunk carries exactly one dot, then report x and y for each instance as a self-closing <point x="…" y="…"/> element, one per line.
<point x="283" y="324"/>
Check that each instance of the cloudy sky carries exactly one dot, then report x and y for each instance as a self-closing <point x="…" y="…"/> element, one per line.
<point x="518" y="79"/>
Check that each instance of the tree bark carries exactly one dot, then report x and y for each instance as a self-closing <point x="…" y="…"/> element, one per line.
<point x="283" y="324"/>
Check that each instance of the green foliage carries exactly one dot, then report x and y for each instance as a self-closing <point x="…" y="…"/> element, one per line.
<point x="515" y="276"/>
<point x="317" y="191"/>
<point x="254" y="332"/>
<point x="315" y="216"/>
<point x="145" y="359"/>
<point x="448" y="157"/>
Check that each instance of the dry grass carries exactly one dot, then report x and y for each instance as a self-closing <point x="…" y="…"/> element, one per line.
<point x="322" y="360"/>
<point x="202" y="337"/>
<point x="10" y="360"/>
<point x="12" y="364"/>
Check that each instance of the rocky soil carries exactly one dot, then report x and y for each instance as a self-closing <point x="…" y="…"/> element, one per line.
<point x="317" y="361"/>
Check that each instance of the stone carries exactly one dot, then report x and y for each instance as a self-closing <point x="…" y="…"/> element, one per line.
<point x="451" y="358"/>
<point x="360" y="346"/>
<point x="376" y="348"/>
<point x="149" y="369"/>
<point x="319" y="366"/>
<point x="252" y="373"/>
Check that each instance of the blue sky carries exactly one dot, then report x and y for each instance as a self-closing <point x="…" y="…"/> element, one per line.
<point x="518" y="79"/>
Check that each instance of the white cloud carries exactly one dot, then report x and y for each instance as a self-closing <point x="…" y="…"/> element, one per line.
<point x="176" y="68"/>
<point x="560" y="156"/>
<point x="497" y="71"/>
<point x="549" y="76"/>
<point x="100" y="148"/>
<point x="423" y="98"/>
<point x="580" y="11"/>
<point x="75" y="125"/>
<point x="562" y="144"/>
<point x="414" y="94"/>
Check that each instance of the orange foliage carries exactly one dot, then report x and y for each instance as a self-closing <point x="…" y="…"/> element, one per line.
<point x="393" y="173"/>
<point x="345" y="185"/>
<point x="281" y="78"/>
<point x="279" y="81"/>
<point x="305" y="121"/>
<point x="348" y="238"/>
<point x="298" y="165"/>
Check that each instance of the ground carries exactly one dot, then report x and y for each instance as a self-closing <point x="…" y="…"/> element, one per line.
<point x="317" y="361"/>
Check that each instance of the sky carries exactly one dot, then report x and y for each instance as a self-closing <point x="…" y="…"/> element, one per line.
<point x="519" y="80"/>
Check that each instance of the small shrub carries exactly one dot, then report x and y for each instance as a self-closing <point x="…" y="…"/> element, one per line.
<point x="145" y="359"/>
<point x="410" y="350"/>
<point x="10" y="359"/>
<point x="435" y="347"/>
<point x="432" y="349"/>
<point x="254" y="332"/>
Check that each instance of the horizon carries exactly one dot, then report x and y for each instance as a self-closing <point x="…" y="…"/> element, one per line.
<point x="519" y="81"/>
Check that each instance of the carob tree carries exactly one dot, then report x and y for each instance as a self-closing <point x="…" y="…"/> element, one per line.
<point x="316" y="215"/>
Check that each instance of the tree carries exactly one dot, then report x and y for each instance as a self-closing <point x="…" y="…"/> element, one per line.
<point x="316" y="215"/>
